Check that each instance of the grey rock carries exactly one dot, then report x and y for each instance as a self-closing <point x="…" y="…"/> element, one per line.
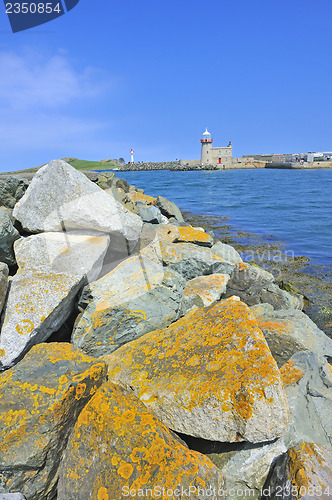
<point x="8" y="234"/>
<point x="289" y="331"/>
<point x="73" y="252"/>
<point x="4" y="271"/>
<point x="209" y="288"/>
<point x="61" y="198"/>
<point x="11" y="496"/>
<point x="226" y="252"/>
<point x="11" y="190"/>
<point x="260" y="309"/>
<point x="149" y="214"/>
<point x="40" y="401"/>
<point x="254" y="285"/>
<point x="192" y="260"/>
<point x="138" y="296"/>
<point x="303" y="473"/>
<point x="308" y="387"/>
<point x="38" y="303"/>
<point x="169" y="208"/>
<point x="246" y="469"/>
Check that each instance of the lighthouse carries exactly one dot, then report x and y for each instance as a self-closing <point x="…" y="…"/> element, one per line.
<point x="206" y="152"/>
<point x="132" y="156"/>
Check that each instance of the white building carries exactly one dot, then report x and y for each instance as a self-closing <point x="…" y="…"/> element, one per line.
<point x="213" y="155"/>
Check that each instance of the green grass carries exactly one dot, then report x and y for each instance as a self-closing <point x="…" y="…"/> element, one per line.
<point x="74" y="162"/>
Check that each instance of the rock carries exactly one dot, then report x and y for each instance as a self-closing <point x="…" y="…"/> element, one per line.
<point x="307" y="382"/>
<point x="118" y="447"/>
<point x="226" y="252"/>
<point x="192" y="260"/>
<point x="304" y="472"/>
<point x="63" y="252"/>
<point x="169" y="208"/>
<point x="261" y="309"/>
<point x="4" y="271"/>
<point x="255" y="285"/>
<point x="194" y="235"/>
<point x="61" y="198"/>
<point x="136" y="196"/>
<point x="8" y="234"/>
<point x="12" y="496"/>
<point x="38" y="304"/>
<point x="289" y="331"/>
<point x="209" y="288"/>
<point x="246" y="469"/>
<point x="40" y="400"/>
<point x="11" y="190"/>
<point x="138" y="296"/>
<point x="149" y="213"/>
<point x="167" y="233"/>
<point x="209" y="375"/>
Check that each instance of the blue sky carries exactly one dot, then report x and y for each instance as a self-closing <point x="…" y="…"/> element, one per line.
<point x="151" y="75"/>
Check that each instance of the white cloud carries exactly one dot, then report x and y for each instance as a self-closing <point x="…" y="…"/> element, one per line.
<point x="29" y="81"/>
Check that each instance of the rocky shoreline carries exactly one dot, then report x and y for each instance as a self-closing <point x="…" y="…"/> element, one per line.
<point x="141" y="357"/>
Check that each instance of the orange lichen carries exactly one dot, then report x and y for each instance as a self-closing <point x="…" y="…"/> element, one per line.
<point x="102" y="494"/>
<point x="192" y="235"/>
<point x="25" y="327"/>
<point x="290" y="374"/>
<point x="125" y="470"/>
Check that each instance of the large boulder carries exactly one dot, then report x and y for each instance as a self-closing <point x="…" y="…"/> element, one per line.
<point x="227" y="252"/>
<point x="209" y="375"/>
<point x="61" y="198"/>
<point x="38" y="304"/>
<point x="40" y="400"/>
<point x="11" y="190"/>
<point x="303" y="473"/>
<point x="63" y="252"/>
<point x="245" y="469"/>
<point x="254" y="285"/>
<point x="289" y="331"/>
<point x="138" y="296"/>
<point x="118" y="449"/>
<point x="169" y="208"/>
<point x="192" y="260"/>
<point x="8" y="234"/>
<point x="208" y="288"/>
<point x="4" y="271"/>
<point x="307" y="382"/>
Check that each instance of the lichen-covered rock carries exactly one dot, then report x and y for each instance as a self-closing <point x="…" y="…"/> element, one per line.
<point x="192" y="260"/>
<point x="245" y="470"/>
<point x="304" y="472"/>
<point x="227" y="252"/>
<point x="118" y="446"/>
<point x="209" y="375"/>
<point x="138" y="296"/>
<point x="12" y="496"/>
<point x="8" y="234"/>
<point x="209" y="288"/>
<point x="169" y="208"/>
<point x="259" y="309"/>
<point x="289" y="331"/>
<point x="63" y="252"/>
<point x="40" y="400"/>
<point x="255" y="285"/>
<point x="136" y="196"/>
<point x="307" y="382"/>
<point x="38" y="304"/>
<point x="61" y="198"/>
<point x="4" y="271"/>
<point x="194" y="235"/>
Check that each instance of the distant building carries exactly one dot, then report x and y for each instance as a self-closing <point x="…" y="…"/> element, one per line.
<point x="213" y="155"/>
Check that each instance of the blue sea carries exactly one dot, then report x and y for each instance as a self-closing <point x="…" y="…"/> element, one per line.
<point x="294" y="206"/>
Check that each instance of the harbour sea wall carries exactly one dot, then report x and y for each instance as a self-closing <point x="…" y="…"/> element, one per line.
<point x="140" y="356"/>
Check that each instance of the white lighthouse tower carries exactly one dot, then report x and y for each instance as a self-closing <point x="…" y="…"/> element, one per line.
<point x="206" y="152"/>
<point x="132" y="156"/>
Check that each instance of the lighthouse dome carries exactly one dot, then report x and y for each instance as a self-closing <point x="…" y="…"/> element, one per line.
<point x="206" y="133"/>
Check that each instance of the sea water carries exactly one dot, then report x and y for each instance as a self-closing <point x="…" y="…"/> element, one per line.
<point x="293" y="205"/>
